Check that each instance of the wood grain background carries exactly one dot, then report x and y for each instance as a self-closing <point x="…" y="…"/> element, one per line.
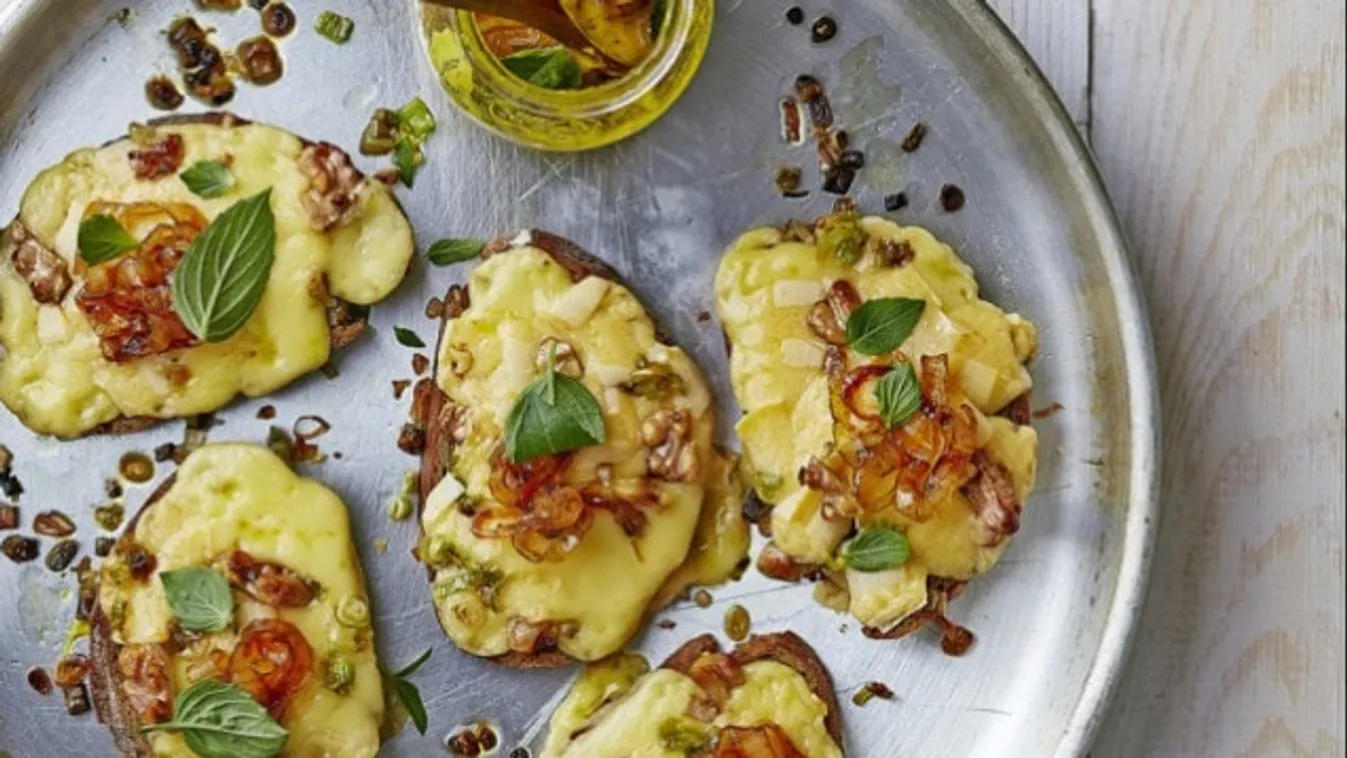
<point x="1219" y="125"/>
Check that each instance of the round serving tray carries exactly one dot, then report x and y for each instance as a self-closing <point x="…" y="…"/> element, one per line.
<point x="1053" y="621"/>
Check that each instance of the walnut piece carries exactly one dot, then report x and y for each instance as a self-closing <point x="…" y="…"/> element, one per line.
<point x="567" y="360"/>
<point x="42" y="268"/>
<point x="992" y="495"/>
<point x="672" y="457"/>
<point x="334" y="190"/>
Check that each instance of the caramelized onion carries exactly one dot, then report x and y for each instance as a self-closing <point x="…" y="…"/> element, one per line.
<point x="765" y="740"/>
<point x="144" y="680"/>
<point x="271" y="662"/>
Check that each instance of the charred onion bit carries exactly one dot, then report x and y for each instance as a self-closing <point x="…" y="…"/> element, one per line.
<point x="157" y="159"/>
<point x="529" y="637"/>
<point x="144" y="675"/>
<point x="915" y="467"/>
<point x="139" y="561"/>
<point x="765" y="740"/>
<point x="992" y="495"/>
<point x="543" y="517"/>
<point x="268" y="583"/>
<point x="672" y="457"/>
<point x="129" y="299"/>
<point x="42" y="268"/>
<point x="828" y="317"/>
<point x="334" y="190"/>
<point x="271" y="662"/>
<point x="775" y="563"/>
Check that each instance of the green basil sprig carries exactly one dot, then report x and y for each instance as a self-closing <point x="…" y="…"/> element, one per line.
<point x="102" y="238"/>
<point x="222" y="277"/>
<point x="200" y="598"/>
<point x="555" y="414"/>
<point x="549" y="68"/>
<point x="451" y="251"/>
<point x="880" y="326"/>
<point x="219" y="720"/>
<point x="899" y="395"/>
<point x="409" y="695"/>
<point x="876" y="548"/>
<point x="208" y="179"/>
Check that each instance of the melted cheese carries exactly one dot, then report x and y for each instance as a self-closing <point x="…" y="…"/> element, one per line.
<point x="606" y="583"/>
<point x="229" y="497"/>
<point x="626" y="721"/>
<point x="762" y="293"/>
<point x="53" y="375"/>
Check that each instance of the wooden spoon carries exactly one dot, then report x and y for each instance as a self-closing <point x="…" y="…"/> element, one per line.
<point x="544" y="15"/>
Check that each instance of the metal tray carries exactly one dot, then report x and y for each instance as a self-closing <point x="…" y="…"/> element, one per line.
<point x="1054" y="619"/>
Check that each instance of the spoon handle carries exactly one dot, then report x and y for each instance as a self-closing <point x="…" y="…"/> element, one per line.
<point x="544" y="15"/>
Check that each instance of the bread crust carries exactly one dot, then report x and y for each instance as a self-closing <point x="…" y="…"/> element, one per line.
<point x="346" y="321"/>
<point x="433" y="411"/>
<point x="786" y="648"/>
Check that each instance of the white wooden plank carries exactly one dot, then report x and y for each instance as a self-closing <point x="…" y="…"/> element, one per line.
<point x="1057" y="34"/>
<point x="1220" y="128"/>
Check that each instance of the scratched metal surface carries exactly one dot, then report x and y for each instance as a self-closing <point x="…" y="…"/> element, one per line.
<point x="1053" y="620"/>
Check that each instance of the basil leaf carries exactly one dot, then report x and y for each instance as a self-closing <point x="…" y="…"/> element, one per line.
<point x="407" y="337"/>
<point x="659" y="11"/>
<point x="555" y="414"/>
<point x="200" y="598"/>
<point x="219" y="720"/>
<point x="224" y="273"/>
<point x="877" y="548"/>
<point x="407" y="157"/>
<point x="899" y="395"/>
<point x="549" y="68"/>
<point x="411" y="700"/>
<point x="208" y="179"/>
<point x="102" y="238"/>
<point x="447" y="252"/>
<point x="411" y="668"/>
<point x="881" y="325"/>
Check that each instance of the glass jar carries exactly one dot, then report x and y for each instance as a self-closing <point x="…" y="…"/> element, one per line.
<point x="567" y="120"/>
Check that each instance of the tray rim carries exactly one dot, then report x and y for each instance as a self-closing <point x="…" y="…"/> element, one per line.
<point x="1142" y="521"/>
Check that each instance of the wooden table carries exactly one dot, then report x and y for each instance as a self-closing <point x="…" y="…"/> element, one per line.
<point x="1219" y="125"/>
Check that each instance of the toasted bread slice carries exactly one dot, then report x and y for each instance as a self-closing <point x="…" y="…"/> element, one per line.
<point x="698" y="538"/>
<point x="99" y="349"/>
<point x="820" y="319"/>
<point x="283" y="545"/>
<point x="698" y="697"/>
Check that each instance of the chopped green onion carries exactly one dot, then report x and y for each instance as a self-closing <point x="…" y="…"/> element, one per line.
<point x="415" y="120"/>
<point x="335" y="27"/>
<point x="407" y="157"/>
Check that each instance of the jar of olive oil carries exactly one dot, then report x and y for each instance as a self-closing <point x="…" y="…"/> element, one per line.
<point x="526" y="87"/>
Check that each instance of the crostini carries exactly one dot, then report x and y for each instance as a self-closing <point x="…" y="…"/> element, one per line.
<point x="569" y="479"/>
<point x="196" y="259"/>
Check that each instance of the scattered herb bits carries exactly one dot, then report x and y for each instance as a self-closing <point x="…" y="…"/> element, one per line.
<point x="19" y="549"/>
<point x="136" y="468"/>
<point x="407" y="337"/>
<point x="62" y="554"/>
<point x="870" y="691"/>
<point x="737" y="623"/>
<point x="447" y="252"/>
<point x="334" y="27"/>
<point x="278" y="19"/>
<point x="53" y="524"/>
<point x="952" y="198"/>
<point x="823" y="30"/>
<point x="914" y="138"/>
<point x="409" y="695"/>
